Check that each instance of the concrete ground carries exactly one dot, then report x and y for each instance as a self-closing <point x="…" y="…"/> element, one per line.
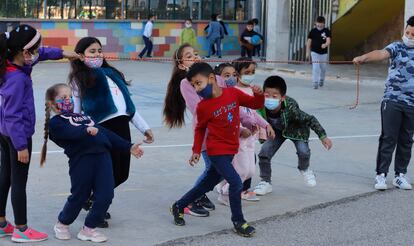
<point x="140" y="208"/>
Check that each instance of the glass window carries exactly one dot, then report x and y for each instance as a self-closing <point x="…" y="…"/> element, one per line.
<point x="19" y="8"/>
<point x="229" y="9"/>
<point x="182" y="9"/>
<point x="241" y="10"/>
<point x="137" y="9"/>
<point x="163" y="9"/>
<point x="113" y="9"/>
<point x="196" y="10"/>
<point x="206" y="9"/>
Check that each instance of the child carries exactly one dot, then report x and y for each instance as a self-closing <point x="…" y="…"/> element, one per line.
<point x="256" y="28"/>
<point x="101" y="92"/>
<point x="147" y="36"/>
<point x="188" y="34"/>
<point x="397" y="108"/>
<point x="19" y="51"/>
<point x="247" y="44"/>
<point x="244" y="161"/>
<point x="219" y="113"/>
<point x="87" y="146"/>
<point x="215" y="34"/>
<point x="289" y="122"/>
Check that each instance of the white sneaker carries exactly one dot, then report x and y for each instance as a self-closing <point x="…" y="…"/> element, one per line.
<point x="249" y="196"/>
<point x="402" y="182"/>
<point x="61" y="231"/>
<point x="89" y="234"/>
<point x="309" y="178"/>
<point x="380" y="182"/>
<point x="224" y="200"/>
<point x="263" y="188"/>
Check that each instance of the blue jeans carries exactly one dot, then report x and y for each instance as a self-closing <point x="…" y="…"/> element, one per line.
<point x="221" y="167"/>
<point x="207" y="164"/>
<point x="217" y="42"/>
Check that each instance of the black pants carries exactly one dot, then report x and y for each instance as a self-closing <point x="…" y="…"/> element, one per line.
<point x="13" y="175"/>
<point x="147" y="48"/>
<point x="245" y="51"/>
<point x="121" y="160"/>
<point x="397" y="131"/>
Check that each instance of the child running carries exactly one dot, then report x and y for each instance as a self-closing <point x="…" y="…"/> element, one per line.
<point x="87" y="146"/>
<point x="289" y="122"/>
<point x="218" y="113"/>
<point x="19" y="51"/>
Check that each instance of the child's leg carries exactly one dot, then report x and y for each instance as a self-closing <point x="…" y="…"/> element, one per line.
<point x="5" y="176"/>
<point x="266" y="154"/>
<point x="303" y="152"/>
<point x="207" y="164"/>
<point x="103" y="189"/>
<point x="391" y="118"/>
<point x="82" y="174"/>
<point x="243" y="51"/>
<point x="218" y="45"/>
<point x="405" y="141"/>
<point x="316" y="68"/>
<point x="247" y="184"/>
<point x="323" y="64"/>
<point x="222" y="164"/>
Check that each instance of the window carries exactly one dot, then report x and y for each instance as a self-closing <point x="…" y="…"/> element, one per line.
<point x="163" y="9"/>
<point x="206" y="7"/>
<point x="229" y="7"/>
<point x="137" y="9"/>
<point x="182" y="9"/>
<point x="241" y="10"/>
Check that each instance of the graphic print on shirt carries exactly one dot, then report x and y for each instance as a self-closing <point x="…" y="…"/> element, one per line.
<point x="78" y="119"/>
<point x="226" y="109"/>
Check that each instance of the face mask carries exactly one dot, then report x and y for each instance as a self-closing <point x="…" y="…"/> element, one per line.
<point x="231" y="81"/>
<point x="207" y="92"/>
<point x="271" y="103"/>
<point x="219" y="19"/>
<point x="247" y="79"/>
<point x="408" y="42"/>
<point x="95" y="62"/>
<point x="32" y="59"/>
<point x="65" y="105"/>
<point x="188" y="25"/>
<point x="319" y="28"/>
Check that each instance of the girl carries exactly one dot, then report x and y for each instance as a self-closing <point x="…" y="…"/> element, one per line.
<point x="101" y="92"/>
<point x="244" y="160"/>
<point x="19" y="51"/>
<point x="188" y="34"/>
<point x="87" y="147"/>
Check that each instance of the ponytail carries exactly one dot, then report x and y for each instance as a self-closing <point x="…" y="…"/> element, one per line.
<point x="3" y="55"/>
<point x="46" y="134"/>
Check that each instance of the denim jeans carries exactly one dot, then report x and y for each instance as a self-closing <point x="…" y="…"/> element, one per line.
<point x="269" y="149"/>
<point x="207" y="164"/>
<point x="221" y="166"/>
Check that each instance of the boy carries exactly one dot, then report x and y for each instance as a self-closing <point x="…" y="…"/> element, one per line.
<point x="218" y="113"/>
<point x="397" y="108"/>
<point x="146" y="36"/>
<point x="319" y="38"/>
<point x="247" y="46"/>
<point x="288" y="122"/>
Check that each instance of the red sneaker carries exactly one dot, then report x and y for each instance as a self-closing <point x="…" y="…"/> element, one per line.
<point x="30" y="235"/>
<point x="6" y="231"/>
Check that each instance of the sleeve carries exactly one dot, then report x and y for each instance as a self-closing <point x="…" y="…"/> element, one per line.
<point x="246" y="120"/>
<point x="209" y="30"/>
<point x="253" y="102"/>
<point x="193" y="41"/>
<point x="62" y="130"/>
<point x="206" y="28"/>
<point x="316" y="126"/>
<point x="77" y="101"/>
<point x="182" y="37"/>
<point x="49" y="53"/>
<point x="151" y="26"/>
<point x="13" y="112"/>
<point x="392" y="50"/>
<point x="259" y="120"/>
<point x="200" y="130"/>
<point x="328" y="33"/>
<point x="190" y="95"/>
<point x="140" y="123"/>
<point x="310" y="35"/>
<point x="224" y="28"/>
<point x="116" y="141"/>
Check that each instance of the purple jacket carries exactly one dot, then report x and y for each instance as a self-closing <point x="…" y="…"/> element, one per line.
<point x="17" y="110"/>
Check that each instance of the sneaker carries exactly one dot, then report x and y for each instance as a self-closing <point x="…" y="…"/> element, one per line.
<point x="263" y="188"/>
<point x="89" y="234"/>
<point x="196" y="210"/>
<point x="178" y="215"/>
<point x="223" y="199"/>
<point x="315" y="85"/>
<point x="249" y="196"/>
<point x="29" y="235"/>
<point x="103" y="224"/>
<point x="7" y="230"/>
<point x="402" y="182"/>
<point x="309" y="178"/>
<point x="61" y="231"/>
<point x="206" y="203"/>
<point x="380" y="182"/>
<point x="244" y="229"/>
<point x="321" y="83"/>
<point x="107" y="216"/>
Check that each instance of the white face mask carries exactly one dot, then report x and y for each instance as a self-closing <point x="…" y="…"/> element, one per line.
<point x="408" y="42"/>
<point x="219" y="19"/>
<point x="188" y="25"/>
<point x="247" y="79"/>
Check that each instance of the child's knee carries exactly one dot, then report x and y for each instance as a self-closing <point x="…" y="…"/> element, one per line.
<point x="235" y="184"/>
<point x="304" y="153"/>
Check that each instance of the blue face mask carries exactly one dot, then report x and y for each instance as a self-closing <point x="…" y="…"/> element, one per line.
<point x="207" y="92"/>
<point x="271" y="103"/>
<point x="231" y="81"/>
<point x="247" y="79"/>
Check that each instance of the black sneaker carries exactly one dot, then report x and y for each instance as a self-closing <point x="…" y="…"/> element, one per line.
<point x="103" y="224"/>
<point x="107" y="216"/>
<point x="206" y="203"/>
<point x="244" y="229"/>
<point x="178" y="215"/>
<point x="196" y="209"/>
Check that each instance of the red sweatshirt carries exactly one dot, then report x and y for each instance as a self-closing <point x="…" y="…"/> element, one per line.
<point x="220" y="116"/>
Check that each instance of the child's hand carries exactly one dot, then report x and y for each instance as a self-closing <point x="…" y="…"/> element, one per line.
<point x="323" y="46"/>
<point x="92" y="130"/>
<point x="194" y="159"/>
<point x="327" y="143"/>
<point x="257" y="90"/>
<point x="358" y="60"/>
<point x="23" y="156"/>
<point x="270" y="132"/>
<point x="71" y="55"/>
<point x="136" y="150"/>
<point x="149" y="137"/>
<point x="245" y="133"/>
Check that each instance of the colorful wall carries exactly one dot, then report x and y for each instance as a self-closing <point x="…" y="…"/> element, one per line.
<point x="122" y="39"/>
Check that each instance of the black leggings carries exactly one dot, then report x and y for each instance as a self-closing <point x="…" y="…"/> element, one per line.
<point x="13" y="174"/>
<point x="121" y="160"/>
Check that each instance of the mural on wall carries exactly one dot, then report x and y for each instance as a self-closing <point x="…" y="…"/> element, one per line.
<point x="122" y="39"/>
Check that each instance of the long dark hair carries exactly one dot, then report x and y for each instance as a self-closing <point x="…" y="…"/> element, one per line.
<point x="242" y="63"/>
<point x="81" y="76"/>
<point x="11" y="44"/>
<point x="174" y="104"/>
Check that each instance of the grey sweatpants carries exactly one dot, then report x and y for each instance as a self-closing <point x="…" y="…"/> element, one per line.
<point x="318" y="67"/>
